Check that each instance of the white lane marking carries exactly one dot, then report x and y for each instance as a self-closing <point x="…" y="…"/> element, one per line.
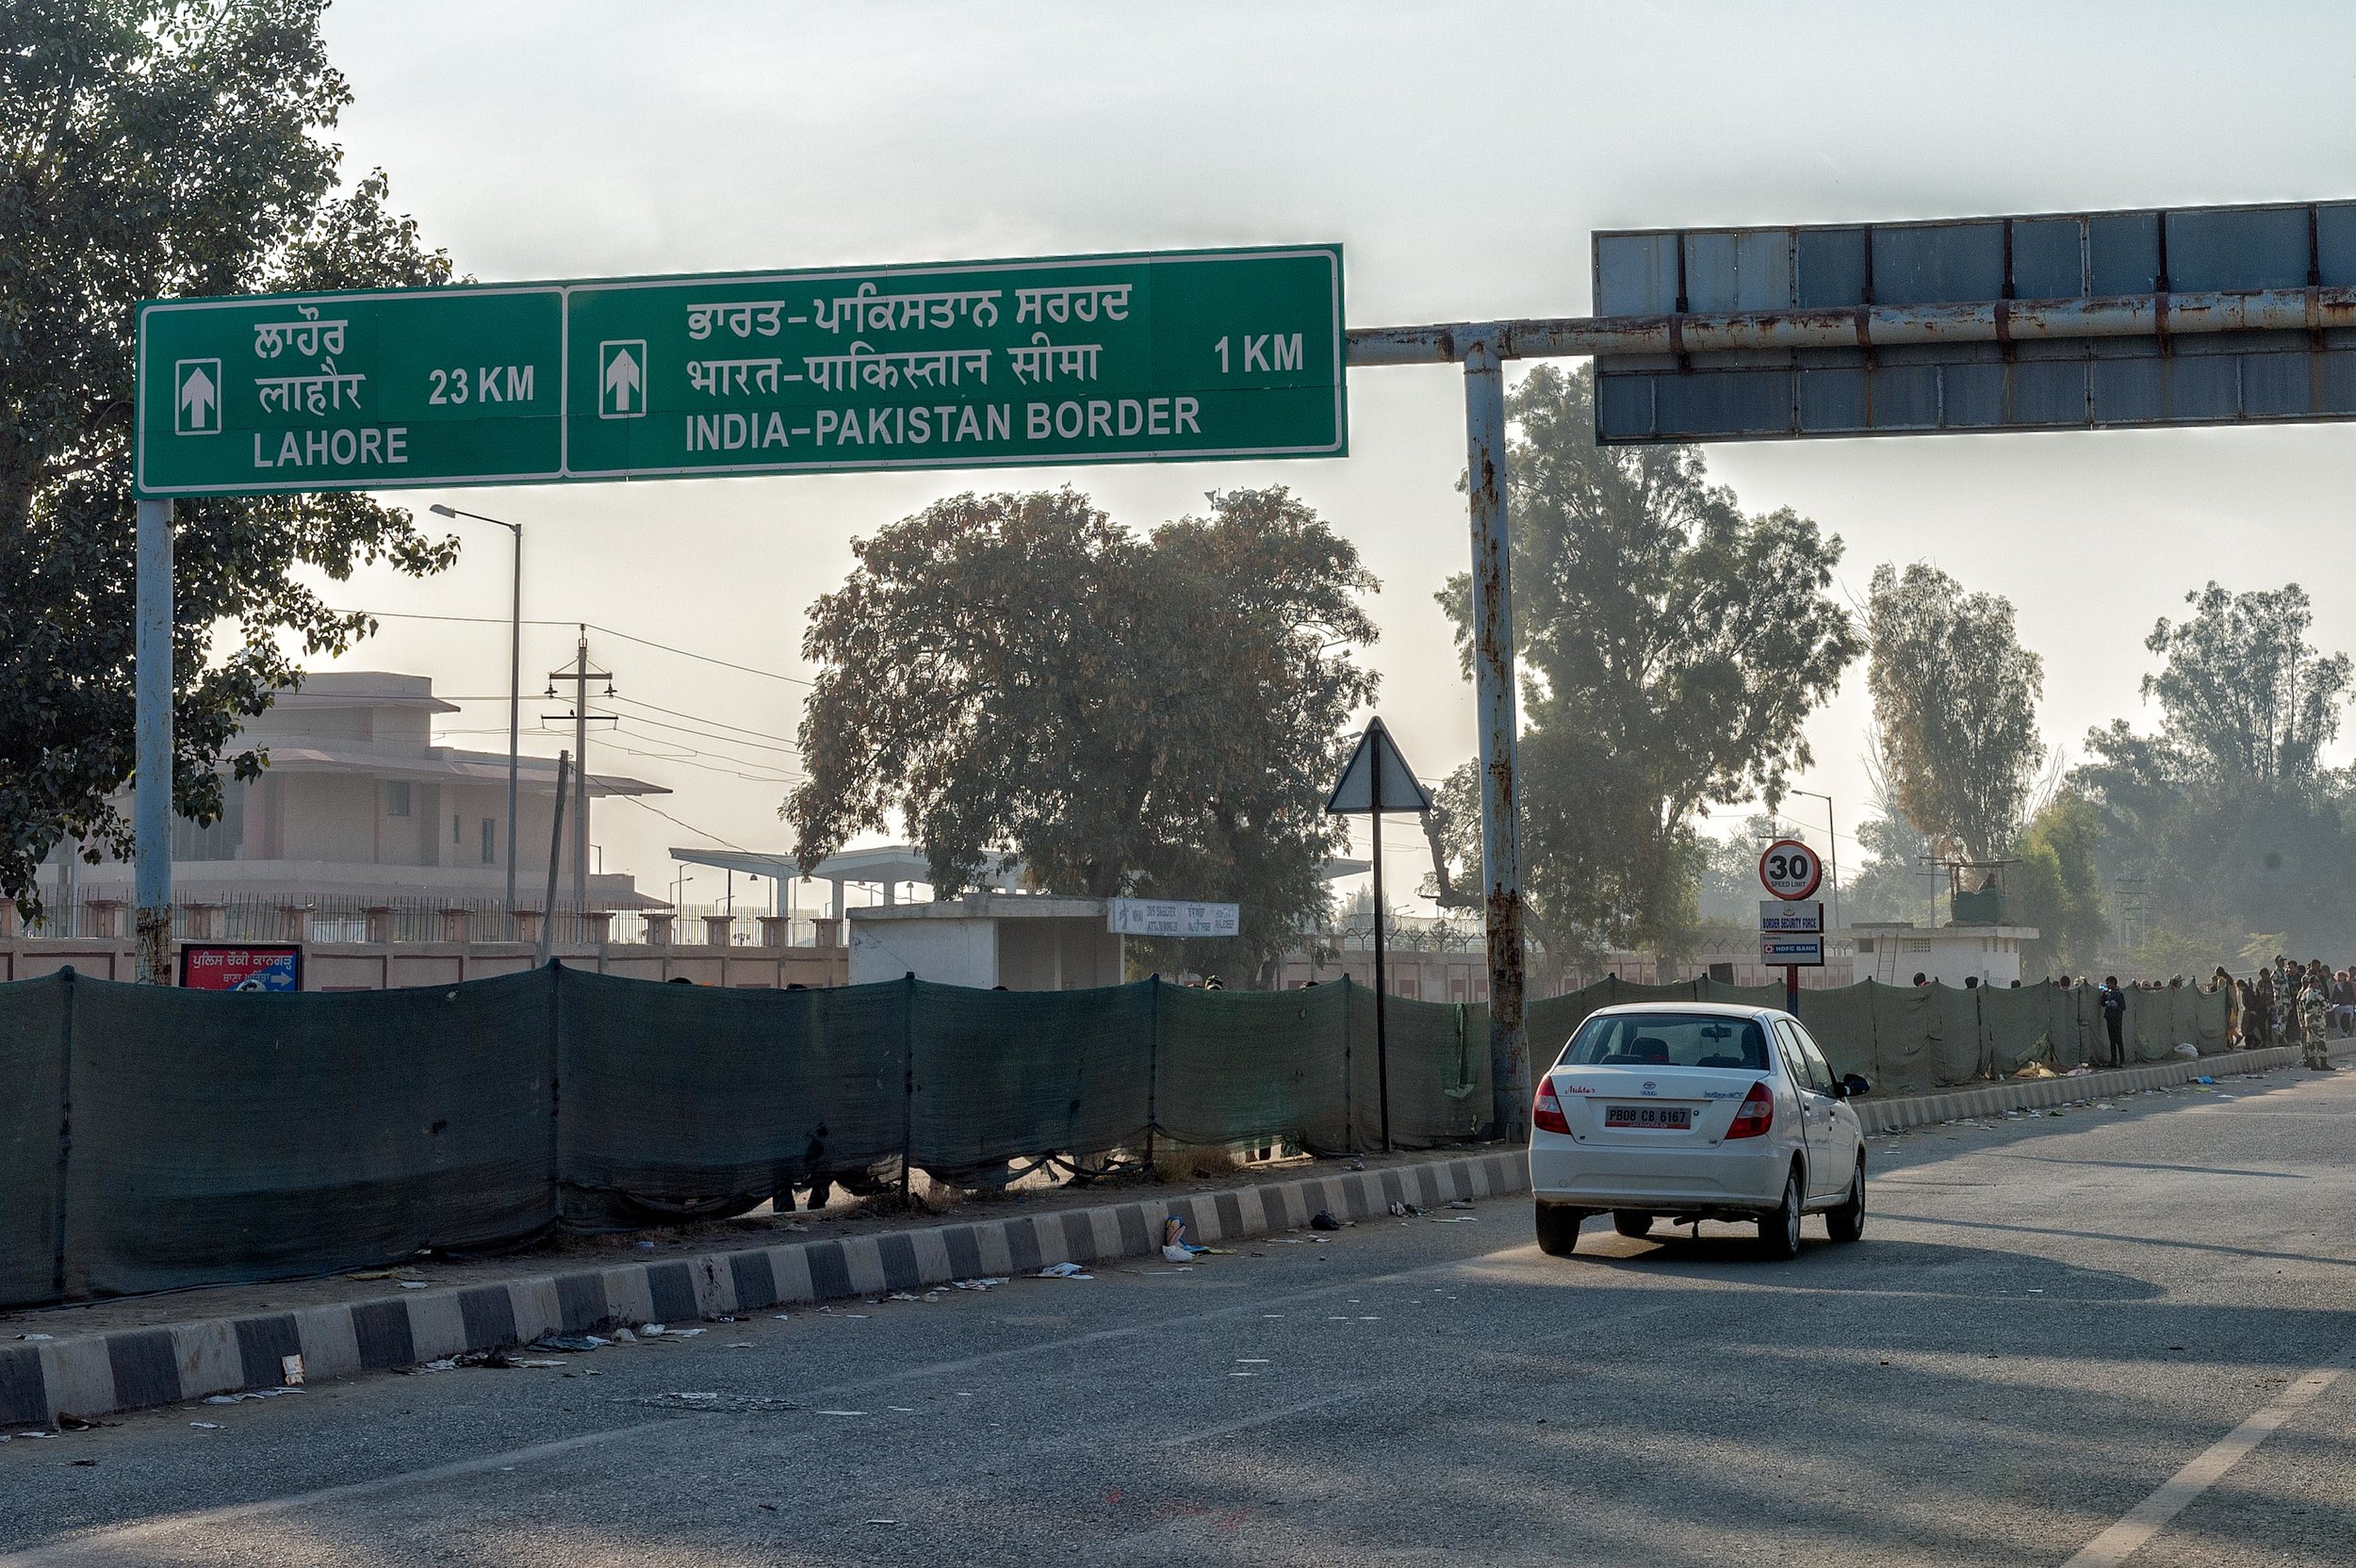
<point x="2149" y="1517"/>
<point x="104" y="1546"/>
<point x="1228" y="1428"/>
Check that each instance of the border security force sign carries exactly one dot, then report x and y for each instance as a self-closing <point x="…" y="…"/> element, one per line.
<point x="1090" y="359"/>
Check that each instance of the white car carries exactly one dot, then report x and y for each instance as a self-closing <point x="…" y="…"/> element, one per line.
<point x="1695" y="1110"/>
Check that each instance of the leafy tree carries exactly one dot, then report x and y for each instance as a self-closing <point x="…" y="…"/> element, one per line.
<point x="2224" y="820"/>
<point x="2057" y="888"/>
<point x="2245" y="693"/>
<point x="1726" y="873"/>
<point x="1954" y="708"/>
<point x="1163" y="717"/>
<point x="152" y="148"/>
<point x="1672" y="649"/>
<point x="1889" y="885"/>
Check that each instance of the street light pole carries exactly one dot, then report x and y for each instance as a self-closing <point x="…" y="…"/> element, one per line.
<point x="1832" y="851"/>
<point x="515" y="693"/>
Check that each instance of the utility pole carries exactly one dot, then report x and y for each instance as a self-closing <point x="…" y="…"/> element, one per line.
<point x="580" y="675"/>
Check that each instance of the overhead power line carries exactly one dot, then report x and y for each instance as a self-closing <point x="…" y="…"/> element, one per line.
<point x="699" y="832"/>
<point x="609" y="631"/>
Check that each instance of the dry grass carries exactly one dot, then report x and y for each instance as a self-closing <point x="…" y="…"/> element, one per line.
<point x="1192" y="1162"/>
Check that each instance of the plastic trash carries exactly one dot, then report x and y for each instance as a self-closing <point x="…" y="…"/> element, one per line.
<point x="205" y="1426"/>
<point x="1405" y="1211"/>
<point x="1056" y="1271"/>
<point x="570" y="1344"/>
<point x="1323" y="1220"/>
<point x="652" y="1330"/>
<point x="2185" y="1049"/>
<point x="2205" y="1080"/>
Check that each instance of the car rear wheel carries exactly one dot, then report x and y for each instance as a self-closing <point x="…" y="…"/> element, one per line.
<point x="1779" y="1232"/>
<point x="1847" y="1222"/>
<point x="1632" y="1222"/>
<point x="1558" y="1230"/>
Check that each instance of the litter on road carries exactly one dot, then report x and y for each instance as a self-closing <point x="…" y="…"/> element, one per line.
<point x="1065" y="1271"/>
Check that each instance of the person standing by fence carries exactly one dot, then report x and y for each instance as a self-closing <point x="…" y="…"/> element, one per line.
<point x="2114" y="1018"/>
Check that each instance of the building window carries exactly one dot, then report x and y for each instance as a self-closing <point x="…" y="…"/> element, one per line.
<point x="490" y="841"/>
<point x="396" y="797"/>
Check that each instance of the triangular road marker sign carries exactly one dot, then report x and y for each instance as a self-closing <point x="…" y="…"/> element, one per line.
<point x="1378" y="778"/>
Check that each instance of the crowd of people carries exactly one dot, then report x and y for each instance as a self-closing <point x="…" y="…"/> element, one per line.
<point x="2289" y="1002"/>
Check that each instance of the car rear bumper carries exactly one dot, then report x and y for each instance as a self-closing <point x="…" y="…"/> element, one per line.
<point x="1574" y="1175"/>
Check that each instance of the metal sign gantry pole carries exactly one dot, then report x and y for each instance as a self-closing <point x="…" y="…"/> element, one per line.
<point x="1493" y="683"/>
<point x="150" y="804"/>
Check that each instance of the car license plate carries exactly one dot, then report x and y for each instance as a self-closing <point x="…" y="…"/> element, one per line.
<point x="1678" y="1118"/>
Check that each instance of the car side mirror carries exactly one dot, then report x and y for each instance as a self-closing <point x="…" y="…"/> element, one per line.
<point x="1852" y="1084"/>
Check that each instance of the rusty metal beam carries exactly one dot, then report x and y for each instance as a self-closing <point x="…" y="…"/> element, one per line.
<point x="1864" y="326"/>
<point x="1493" y="680"/>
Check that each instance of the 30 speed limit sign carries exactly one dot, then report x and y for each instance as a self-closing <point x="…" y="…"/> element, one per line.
<point x="1789" y="868"/>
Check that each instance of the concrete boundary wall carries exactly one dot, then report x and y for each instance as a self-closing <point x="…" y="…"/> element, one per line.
<point x="2021" y="1094"/>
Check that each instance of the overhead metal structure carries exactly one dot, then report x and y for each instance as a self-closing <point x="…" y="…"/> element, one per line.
<point x="2157" y="317"/>
<point x="2055" y="322"/>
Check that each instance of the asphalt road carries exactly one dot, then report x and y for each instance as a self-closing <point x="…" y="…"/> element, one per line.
<point x="2046" y="1321"/>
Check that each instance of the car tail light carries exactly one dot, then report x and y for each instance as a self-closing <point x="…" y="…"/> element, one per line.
<point x="1754" y="1115"/>
<point x="1545" y="1114"/>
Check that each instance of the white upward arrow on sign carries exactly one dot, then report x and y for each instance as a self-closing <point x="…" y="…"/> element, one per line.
<point x="198" y="395"/>
<point x="621" y="379"/>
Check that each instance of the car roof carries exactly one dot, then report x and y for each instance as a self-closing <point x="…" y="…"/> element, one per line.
<point x="1718" y="1010"/>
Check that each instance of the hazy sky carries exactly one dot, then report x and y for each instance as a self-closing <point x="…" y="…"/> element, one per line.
<point x="1461" y="152"/>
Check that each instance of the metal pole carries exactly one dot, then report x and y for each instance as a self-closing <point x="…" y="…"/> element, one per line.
<point x="1493" y="679"/>
<point x="1791" y="990"/>
<point x="1832" y="854"/>
<point x="1382" y="986"/>
<point x="580" y="776"/>
<point x="556" y="844"/>
<point x="514" y="720"/>
<point x="2171" y="315"/>
<point x="151" y="811"/>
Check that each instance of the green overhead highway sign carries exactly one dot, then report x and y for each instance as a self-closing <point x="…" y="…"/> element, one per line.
<point x="1093" y="359"/>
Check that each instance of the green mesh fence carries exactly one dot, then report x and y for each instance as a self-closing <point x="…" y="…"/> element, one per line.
<point x="696" y="1099"/>
<point x="1002" y="1074"/>
<point x="154" y="1139"/>
<point x="1248" y="1065"/>
<point x="249" y="1137"/>
<point x="1906" y="1038"/>
<point x="33" y="1111"/>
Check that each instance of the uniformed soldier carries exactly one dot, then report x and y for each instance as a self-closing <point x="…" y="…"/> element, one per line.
<point x="2313" y="1001"/>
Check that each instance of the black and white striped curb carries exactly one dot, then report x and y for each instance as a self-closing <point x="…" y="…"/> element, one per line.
<point x="91" y="1374"/>
<point x="2024" y="1094"/>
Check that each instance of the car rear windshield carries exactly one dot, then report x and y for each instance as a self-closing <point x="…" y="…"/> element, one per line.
<point x="1669" y="1040"/>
